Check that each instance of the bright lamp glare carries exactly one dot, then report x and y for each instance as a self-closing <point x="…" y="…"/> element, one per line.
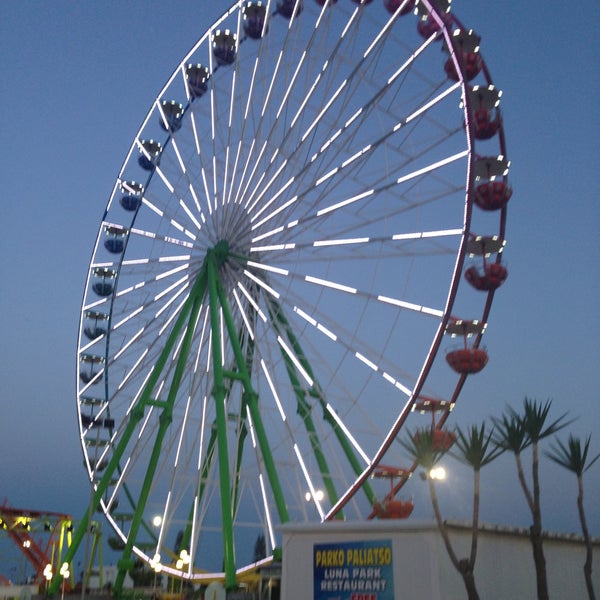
<point x="437" y="473"/>
<point x="319" y="495"/>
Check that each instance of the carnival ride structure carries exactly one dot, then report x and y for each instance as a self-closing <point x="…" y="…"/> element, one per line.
<point x="277" y="274"/>
<point x="42" y="537"/>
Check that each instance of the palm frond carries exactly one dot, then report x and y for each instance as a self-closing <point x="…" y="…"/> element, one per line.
<point x="509" y="433"/>
<point x="534" y="418"/>
<point x="475" y="447"/>
<point x="572" y="455"/>
<point x="421" y="447"/>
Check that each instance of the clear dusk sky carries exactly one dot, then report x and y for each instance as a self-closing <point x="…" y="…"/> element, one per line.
<point x="76" y="80"/>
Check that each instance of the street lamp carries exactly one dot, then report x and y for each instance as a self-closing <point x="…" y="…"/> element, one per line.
<point x="437" y="473"/>
<point x="183" y="561"/>
<point x="319" y="495"/>
<point x="48" y="574"/>
<point x="156" y="566"/>
<point x="64" y="571"/>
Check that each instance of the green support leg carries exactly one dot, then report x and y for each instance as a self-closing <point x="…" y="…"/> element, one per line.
<point x="135" y="417"/>
<point x="165" y="420"/>
<point x="252" y="400"/>
<point x="219" y="394"/>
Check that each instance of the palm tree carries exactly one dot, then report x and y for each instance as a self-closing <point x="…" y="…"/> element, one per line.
<point x="474" y="449"/>
<point x="515" y="432"/>
<point x="572" y="457"/>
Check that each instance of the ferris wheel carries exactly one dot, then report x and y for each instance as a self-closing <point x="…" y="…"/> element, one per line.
<point x="278" y="275"/>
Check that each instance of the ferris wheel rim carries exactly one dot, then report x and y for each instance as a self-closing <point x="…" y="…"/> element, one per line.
<point x="88" y="358"/>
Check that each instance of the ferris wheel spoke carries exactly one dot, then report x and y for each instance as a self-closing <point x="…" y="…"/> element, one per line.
<point x="360" y="155"/>
<point x="340" y="248"/>
<point x="153" y="303"/>
<point x="275" y="123"/>
<point x="296" y="117"/>
<point x="196" y="117"/>
<point x="230" y="133"/>
<point x="337" y="286"/>
<point x="292" y="348"/>
<point x="305" y="222"/>
<point x="342" y="339"/>
<point x="154" y="202"/>
<point x="363" y="112"/>
<point x="202" y="167"/>
<point x="294" y="368"/>
<point x="174" y="466"/>
<point x="175" y="223"/>
<point x="148" y="357"/>
<point x="96" y="303"/>
<point x="297" y="363"/>
<point x="166" y="406"/>
<point x="264" y="104"/>
<point x="333" y="331"/>
<point x="215" y="111"/>
<point x="145" y="233"/>
<point x="188" y="211"/>
<point x="190" y="184"/>
<point x="326" y="64"/>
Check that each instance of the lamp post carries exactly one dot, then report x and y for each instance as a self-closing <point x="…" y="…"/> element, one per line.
<point x="48" y="574"/>
<point x="155" y="563"/>
<point x="64" y="571"/>
<point x="156" y="566"/>
<point x="437" y="473"/>
<point x="319" y="495"/>
<point x="183" y="561"/>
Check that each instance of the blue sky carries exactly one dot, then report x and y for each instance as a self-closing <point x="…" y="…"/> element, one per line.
<point x="78" y="78"/>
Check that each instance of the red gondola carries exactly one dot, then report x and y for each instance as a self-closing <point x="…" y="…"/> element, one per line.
<point x="393" y="509"/>
<point x="470" y="64"/>
<point x="467" y="361"/>
<point x="492" y="195"/>
<point x="491" y="278"/>
<point x="467" y="55"/>
<point x="485" y="124"/>
<point x="491" y="275"/>
<point x="428" y="25"/>
<point x="389" y="508"/>
<point x="387" y="472"/>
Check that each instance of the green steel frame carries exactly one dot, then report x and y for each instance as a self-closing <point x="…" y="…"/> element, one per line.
<point x="208" y="286"/>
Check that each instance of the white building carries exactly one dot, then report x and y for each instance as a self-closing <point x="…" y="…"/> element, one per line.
<point x="109" y="575"/>
<point x="394" y="560"/>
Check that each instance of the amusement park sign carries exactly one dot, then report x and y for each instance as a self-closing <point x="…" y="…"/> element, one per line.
<point x="361" y="570"/>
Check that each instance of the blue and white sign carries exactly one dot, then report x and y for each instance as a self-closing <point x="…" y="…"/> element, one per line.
<point x="361" y="570"/>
